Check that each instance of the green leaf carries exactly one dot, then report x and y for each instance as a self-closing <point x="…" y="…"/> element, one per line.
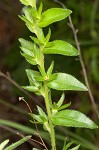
<point x="50" y="69"/>
<point x="67" y="145"/>
<point x="40" y="10"/>
<point x="41" y="112"/>
<point x="75" y="148"/>
<point x="37" y="117"/>
<point x="72" y="118"/>
<point x="27" y="46"/>
<point x="31" y="76"/>
<point x="29" y="2"/>
<point x="30" y="88"/>
<point x="25" y="2"/>
<point x="64" y="106"/>
<point x="35" y="40"/>
<point x="60" y="47"/>
<point x="3" y="144"/>
<point x="29" y="13"/>
<point x="66" y="82"/>
<point x="28" y="52"/>
<point x="47" y="37"/>
<point x="60" y="102"/>
<point x="30" y="59"/>
<point x="15" y="145"/>
<point x="53" y="15"/>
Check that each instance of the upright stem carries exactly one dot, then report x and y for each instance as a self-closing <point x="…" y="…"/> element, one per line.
<point x="46" y="97"/>
<point x="52" y="132"/>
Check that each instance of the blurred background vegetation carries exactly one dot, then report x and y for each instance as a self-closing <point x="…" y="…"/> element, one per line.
<point x="85" y="18"/>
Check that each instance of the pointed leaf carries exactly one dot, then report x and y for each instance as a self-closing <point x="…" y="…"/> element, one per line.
<point x="27" y="44"/>
<point x="50" y="69"/>
<point x="72" y="118"/>
<point x="30" y="88"/>
<point x="40" y="10"/>
<point x="29" y="2"/>
<point x="75" y="148"/>
<point x="31" y="76"/>
<point x="30" y="59"/>
<point x="15" y="145"/>
<point x="60" y="47"/>
<point x="26" y="51"/>
<point x="35" y="40"/>
<point x="53" y="15"/>
<point x="67" y="145"/>
<point x="29" y="13"/>
<point x="47" y="37"/>
<point x="41" y="112"/>
<point x="60" y="102"/>
<point x="37" y="117"/>
<point x="66" y="82"/>
<point x="64" y="106"/>
<point x="3" y="144"/>
<point x="25" y="2"/>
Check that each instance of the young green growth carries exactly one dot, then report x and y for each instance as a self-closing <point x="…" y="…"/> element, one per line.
<point x="41" y="82"/>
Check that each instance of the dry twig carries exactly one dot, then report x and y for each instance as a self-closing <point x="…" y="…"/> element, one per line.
<point x="75" y="31"/>
<point x="7" y="76"/>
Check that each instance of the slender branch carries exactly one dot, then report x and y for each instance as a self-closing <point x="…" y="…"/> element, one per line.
<point x="30" y="96"/>
<point x="6" y="76"/>
<point x="75" y="31"/>
<point x="38" y="133"/>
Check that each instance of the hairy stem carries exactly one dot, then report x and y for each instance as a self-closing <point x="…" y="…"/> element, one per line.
<point x="46" y="97"/>
<point x="47" y="103"/>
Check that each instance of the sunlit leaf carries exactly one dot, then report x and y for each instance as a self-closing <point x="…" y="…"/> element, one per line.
<point x="41" y="112"/>
<point x="15" y="145"/>
<point x="50" y="69"/>
<point x="60" y="102"/>
<point x="3" y="144"/>
<point x="75" y="148"/>
<point x="27" y="45"/>
<point x="31" y="76"/>
<point x="66" y="82"/>
<point x="30" y="88"/>
<point x="64" y="106"/>
<point x="60" y="47"/>
<point x="29" y="2"/>
<point x="72" y="118"/>
<point x="53" y="15"/>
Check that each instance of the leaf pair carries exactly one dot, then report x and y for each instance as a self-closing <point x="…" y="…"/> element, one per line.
<point x="35" y="86"/>
<point x="58" y="106"/>
<point x="33" y="16"/>
<point x="67" y="146"/>
<point x="30" y="51"/>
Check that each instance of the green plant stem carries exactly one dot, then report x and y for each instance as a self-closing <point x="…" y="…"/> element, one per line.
<point x="46" y="97"/>
<point x="47" y="103"/>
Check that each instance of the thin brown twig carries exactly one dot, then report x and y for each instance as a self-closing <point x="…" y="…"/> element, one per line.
<point x="38" y="133"/>
<point x="7" y="76"/>
<point x="30" y="96"/>
<point x="75" y="31"/>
